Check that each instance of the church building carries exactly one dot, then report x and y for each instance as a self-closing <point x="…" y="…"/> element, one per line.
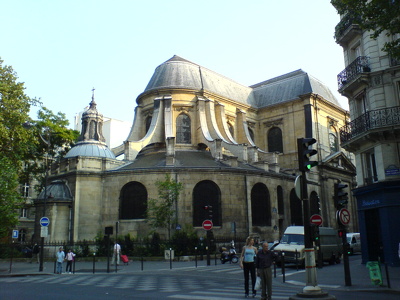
<point x="233" y="147"/>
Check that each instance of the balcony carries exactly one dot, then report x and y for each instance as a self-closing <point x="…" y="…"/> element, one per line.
<point x="380" y="120"/>
<point x="346" y="30"/>
<point x="357" y="67"/>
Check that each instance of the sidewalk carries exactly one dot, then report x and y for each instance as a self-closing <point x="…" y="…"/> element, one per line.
<point x="332" y="277"/>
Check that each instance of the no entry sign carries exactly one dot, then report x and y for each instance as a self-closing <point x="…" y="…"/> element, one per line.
<point x="316" y="220"/>
<point x="207" y="224"/>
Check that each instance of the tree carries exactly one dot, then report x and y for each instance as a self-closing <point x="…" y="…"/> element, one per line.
<point x="160" y="213"/>
<point x="378" y="16"/>
<point x="55" y="139"/>
<point x="15" y="143"/>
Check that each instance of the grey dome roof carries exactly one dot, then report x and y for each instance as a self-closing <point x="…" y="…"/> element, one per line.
<point x="289" y="87"/>
<point x="92" y="149"/>
<point x="181" y="73"/>
<point x="178" y="72"/>
<point x="58" y="190"/>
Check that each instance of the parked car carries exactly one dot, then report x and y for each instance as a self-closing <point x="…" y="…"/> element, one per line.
<point x="292" y="245"/>
<point x="354" y="241"/>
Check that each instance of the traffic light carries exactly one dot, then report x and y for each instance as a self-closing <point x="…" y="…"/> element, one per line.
<point x="208" y="209"/>
<point x="305" y="152"/>
<point x="340" y="197"/>
<point x="341" y="233"/>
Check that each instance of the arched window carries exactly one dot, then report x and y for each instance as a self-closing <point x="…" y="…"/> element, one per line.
<point x="260" y="205"/>
<point x="296" y="210"/>
<point x="315" y="207"/>
<point x="251" y="133"/>
<point x="333" y="143"/>
<point x="183" y="129"/>
<point x="231" y="130"/>
<point x="281" y="207"/>
<point x="148" y="123"/>
<point x="133" y="201"/>
<point x="275" y="140"/>
<point x="206" y="193"/>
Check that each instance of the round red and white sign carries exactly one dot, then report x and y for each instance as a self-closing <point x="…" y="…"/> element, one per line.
<point x="207" y="224"/>
<point x="344" y="216"/>
<point x="316" y="220"/>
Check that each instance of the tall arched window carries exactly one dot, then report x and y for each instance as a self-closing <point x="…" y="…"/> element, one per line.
<point x="260" y="205"/>
<point x="206" y="193"/>
<point x="183" y="129"/>
<point x="281" y="207"/>
<point x="296" y="209"/>
<point x="148" y="123"/>
<point x="275" y="140"/>
<point x="251" y="133"/>
<point x="133" y="201"/>
<point x="231" y="130"/>
<point x="333" y="142"/>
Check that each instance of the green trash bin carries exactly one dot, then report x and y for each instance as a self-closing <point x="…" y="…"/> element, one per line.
<point x="375" y="272"/>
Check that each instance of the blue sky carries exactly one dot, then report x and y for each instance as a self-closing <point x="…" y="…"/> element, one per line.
<point x="62" y="49"/>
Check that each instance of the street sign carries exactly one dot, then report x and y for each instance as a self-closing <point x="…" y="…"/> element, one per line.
<point x="344" y="216"/>
<point x="297" y="186"/>
<point x="316" y="220"/>
<point x="15" y="234"/>
<point x="44" y="221"/>
<point x="44" y="231"/>
<point x="207" y="224"/>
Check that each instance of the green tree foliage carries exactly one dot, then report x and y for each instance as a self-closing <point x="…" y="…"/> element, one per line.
<point x="15" y="144"/>
<point x="378" y="16"/>
<point x="9" y="197"/>
<point x="160" y="212"/>
<point x="54" y="141"/>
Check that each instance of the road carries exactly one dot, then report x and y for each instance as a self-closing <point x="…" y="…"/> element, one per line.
<point x="212" y="283"/>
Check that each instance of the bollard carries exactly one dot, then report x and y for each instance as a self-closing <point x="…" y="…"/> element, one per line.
<point x="94" y="261"/>
<point x="274" y="270"/>
<point x="55" y="264"/>
<point x="170" y="258"/>
<point x="283" y="267"/>
<point x="297" y="259"/>
<point x="215" y="258"/>
<point x="195" y="255"/>
<point x="142" y="262"/>
<point x="73" y="265"/>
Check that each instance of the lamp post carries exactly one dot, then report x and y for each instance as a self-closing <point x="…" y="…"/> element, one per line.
<point x="47" y="142"/>
<point x="46" y="176"/>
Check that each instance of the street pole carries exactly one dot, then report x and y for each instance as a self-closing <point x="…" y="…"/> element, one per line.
<point x="346" y="264"/>
<point x="47" y="142"/>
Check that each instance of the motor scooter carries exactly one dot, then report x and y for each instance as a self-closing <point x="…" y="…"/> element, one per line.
<point x="230" y="255"/>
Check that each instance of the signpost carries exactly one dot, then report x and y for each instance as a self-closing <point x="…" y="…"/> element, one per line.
<point x="207" y="224"/>
<point x="15" y="234"/>
<point x="344" y="216"/>
<point x="44" y="221"/>
<point x="316" y="220"/>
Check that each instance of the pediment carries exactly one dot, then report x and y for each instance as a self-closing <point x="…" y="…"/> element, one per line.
<point x="339" y="161"/>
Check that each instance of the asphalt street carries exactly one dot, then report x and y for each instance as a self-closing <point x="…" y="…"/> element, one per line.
<point x="179" y="280"/>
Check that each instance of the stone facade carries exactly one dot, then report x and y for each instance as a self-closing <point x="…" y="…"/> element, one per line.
<point x="233" y="147"/>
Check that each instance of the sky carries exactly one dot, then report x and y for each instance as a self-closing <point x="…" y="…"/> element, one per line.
<point x="61" y="50"/>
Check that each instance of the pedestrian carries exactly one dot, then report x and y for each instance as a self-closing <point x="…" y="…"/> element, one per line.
<point x="116" y="253"/>
<point x="247" y="264"/>
<point x="264" y="261"/>
<point x="36" y="253"/>
<point x="60" y="255"/>
<point x="70" y="257"/>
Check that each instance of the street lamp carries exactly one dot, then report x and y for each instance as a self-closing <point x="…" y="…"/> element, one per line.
<point x="47" y="142"/>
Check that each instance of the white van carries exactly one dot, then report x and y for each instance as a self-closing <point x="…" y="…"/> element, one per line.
<point x="354" y="240"/>
<point x="292" y="242"/>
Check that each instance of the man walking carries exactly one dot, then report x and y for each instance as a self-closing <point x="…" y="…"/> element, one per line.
<point x="264" y="261"/>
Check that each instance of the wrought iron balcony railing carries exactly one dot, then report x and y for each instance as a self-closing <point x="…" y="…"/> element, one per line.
<point x="343" y="25"/>
<point x="359" y="65"/>
<point x="374" y="119"/>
